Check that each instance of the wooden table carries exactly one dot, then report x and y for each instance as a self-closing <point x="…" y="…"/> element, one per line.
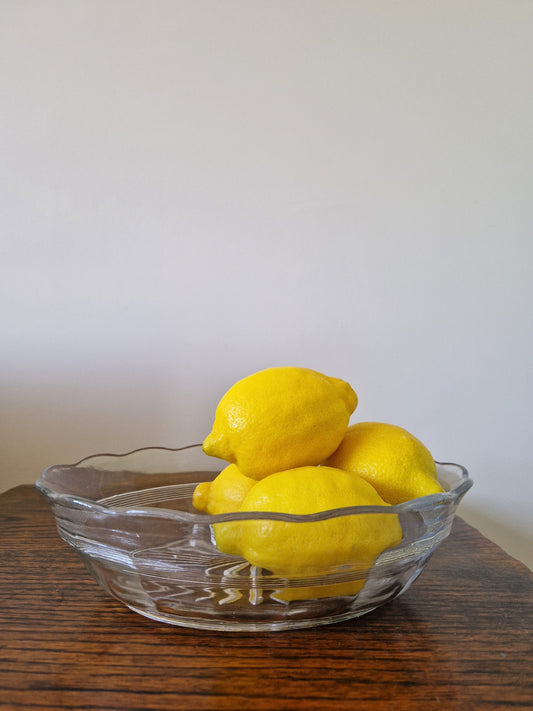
<point x="460" y="638"/>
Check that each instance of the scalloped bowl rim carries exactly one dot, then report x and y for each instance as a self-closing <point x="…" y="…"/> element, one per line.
<point x="455" y="493"/>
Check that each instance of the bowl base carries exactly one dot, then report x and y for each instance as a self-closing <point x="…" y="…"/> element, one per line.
<point x="241" y="626"/>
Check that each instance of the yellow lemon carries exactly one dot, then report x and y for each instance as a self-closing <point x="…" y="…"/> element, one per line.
<point x="300" y="550"/>
<point x="395" y="462"/>
<point x="280" y="418"/>
<point x="224" y="494"/>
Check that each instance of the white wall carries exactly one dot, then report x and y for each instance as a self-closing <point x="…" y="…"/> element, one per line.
<point x="193" y="190"/>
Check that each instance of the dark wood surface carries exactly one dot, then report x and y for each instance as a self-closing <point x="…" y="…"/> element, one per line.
<point x="460" y="638"/>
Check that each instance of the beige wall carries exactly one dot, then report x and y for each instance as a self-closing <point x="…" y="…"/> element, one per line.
<point x="191" y="191"/>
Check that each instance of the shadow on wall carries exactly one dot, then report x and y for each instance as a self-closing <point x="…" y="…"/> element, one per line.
<point x="62" y="421"/>
<point x="512" y="539"/>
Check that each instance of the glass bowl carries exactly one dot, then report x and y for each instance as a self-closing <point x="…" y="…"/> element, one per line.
<point x="131" y="519"/>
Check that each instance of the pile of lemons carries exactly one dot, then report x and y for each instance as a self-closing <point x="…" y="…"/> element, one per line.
<point x="285" y="433"/>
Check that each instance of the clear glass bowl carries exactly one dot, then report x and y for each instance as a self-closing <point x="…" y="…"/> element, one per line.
<point x="131" y="519"/>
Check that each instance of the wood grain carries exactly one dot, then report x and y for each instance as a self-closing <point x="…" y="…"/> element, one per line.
<point x="460" y="638"/>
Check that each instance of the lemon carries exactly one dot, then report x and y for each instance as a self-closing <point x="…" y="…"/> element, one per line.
<point x="292" y="549"/>
<point x="280" y="418"/>
<point x="224" y="494"/>
<point x="395" y="462"/>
